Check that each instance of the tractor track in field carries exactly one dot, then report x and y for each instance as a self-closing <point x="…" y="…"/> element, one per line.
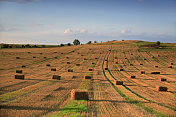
<point x="135" y="92"/>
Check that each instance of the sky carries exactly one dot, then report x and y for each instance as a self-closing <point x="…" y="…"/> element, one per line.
<point x="62" y="21"/>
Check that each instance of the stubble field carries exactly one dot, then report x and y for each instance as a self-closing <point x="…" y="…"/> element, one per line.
<point x="40" y="95"/>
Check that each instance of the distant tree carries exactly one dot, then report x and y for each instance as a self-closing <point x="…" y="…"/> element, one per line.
<point x="95" y="41"/>
<point x="157" y="43"/>
<point x="28" y="46"/>
<point x="68" y="44"/>
<point x="76" y="42"/>
<point x="5" y="46"/>
<point x="89" y="42"/>
<point x="23" y="46"/>
<point x="61" y="44"/>
<point x="43" y="46"/>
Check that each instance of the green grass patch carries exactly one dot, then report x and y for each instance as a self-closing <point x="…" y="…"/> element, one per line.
<point x="74" y="108"/>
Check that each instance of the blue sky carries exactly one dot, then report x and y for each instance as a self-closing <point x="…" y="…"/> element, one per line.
<point x="61" y="21"/>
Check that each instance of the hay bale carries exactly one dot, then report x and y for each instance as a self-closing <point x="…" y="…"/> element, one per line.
<point x="116" y="62"/>
<point x="41" y="53"/>
<point x="53" y="69"/>
<point x="44" y="57"/>
<point x="155" y="72"/>
<point x="115" y="57"/>
<point x="90" y="69"/>
<point x="68" y="62"/>
<point x="79" y="95"/>
<point x="121" y="69"/>
<point x="169" y="66"/>
<point x="19" y="77"/>
<point x="118" y="82"/>
<point x="70" y="70"/>
<point x="93" y="63"/>
<point x="56" y="77"/>
<point x="142" y="72"/>
<point x="29" y="52"/>
<point x="96" y="58"/>
<point x="145" y="59"/>
<point x="77" y="64"/>
<point x="106" y="68"/>
<point x="85" y="58"/>
<point x="87" y="77"/>
<point x="67" y="57"/>
<point x="17" y="57"/>
<point x="23" y="66"/>
<point x="55" y="57"/>
<point x="82" y="55"/>
<point x="19" y="71"/>
<point x="74" y="77"/>
<point x="158" y="55"/>
<point x="62" y="53"/>
<point x="141" y="64"/>
<point x="162" y="79"/>
<point x="125" y="58"/>
<point x="109" y="50"/>
<point x="48" y="65"/>
<point x="132" y="76"/>
<point x="34" y="57"/>
<point x="171" y="63"/>
<point x="160" y="88"/>
<point x="131" y="64"/>
<point x="156" y="66"/>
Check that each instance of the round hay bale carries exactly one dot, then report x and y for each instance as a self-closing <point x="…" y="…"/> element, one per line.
<point x="156" y="66"/>
<point x="93" y="63"/>
<point x="115" y="57"/>
<point x="67" y="57"/>
<point x="145" y="59"/>
<point x="34" y="57"/>
<point x="44" y="57"/>
<point x="17" y="57"/>
<point x="131" y="64"/>
<point x="55" y="57"/>
<point x="169" y="66"/>
<point x="68" y="62"/>
<point x="171" y="63"/>
<point x="41" y="53"/>
<point x="141" y="64"/>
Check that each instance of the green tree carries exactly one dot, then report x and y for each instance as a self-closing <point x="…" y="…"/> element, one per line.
<point x="89" y="42"/>
<point x="157" y="43"/>
<point x="68" y="44"/>
<point x="95" y="41"/>
<point x="76" y="42"/>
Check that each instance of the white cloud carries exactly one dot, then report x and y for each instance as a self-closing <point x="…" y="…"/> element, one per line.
<point x="123" y="31"/>
<point x="68" y="31"/>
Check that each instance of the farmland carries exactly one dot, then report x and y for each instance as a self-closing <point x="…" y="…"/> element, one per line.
<point x="105" y="63"/>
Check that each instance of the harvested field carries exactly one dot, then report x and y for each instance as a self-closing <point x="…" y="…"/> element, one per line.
<point x="112" y="79"/>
